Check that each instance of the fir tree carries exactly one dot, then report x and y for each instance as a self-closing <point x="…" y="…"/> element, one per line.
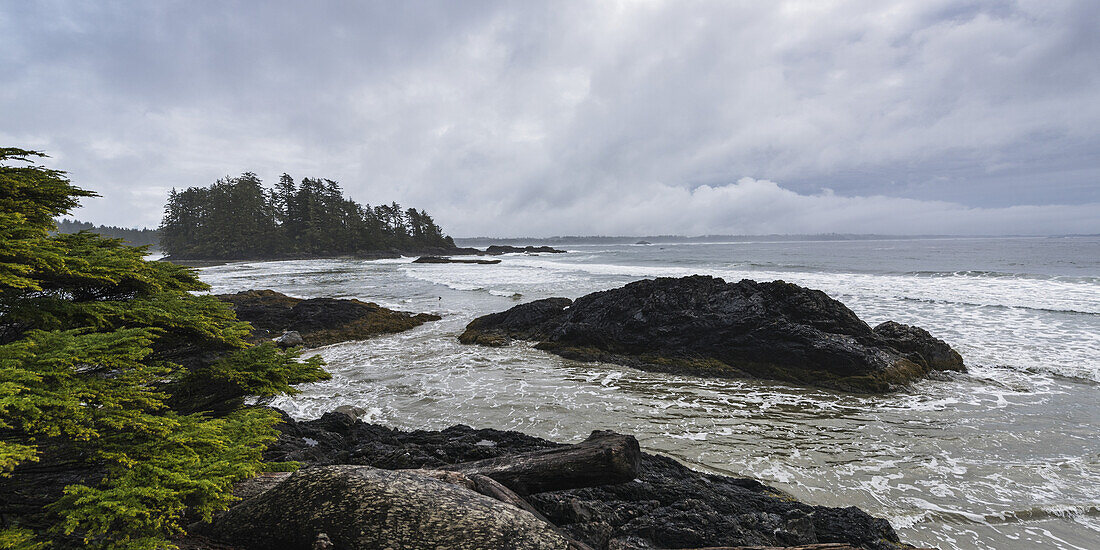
<point x="113" y="370"/>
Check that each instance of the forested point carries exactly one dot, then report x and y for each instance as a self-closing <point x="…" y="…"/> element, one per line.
<point x="133" y="237"/>
<point x="238" y="218"/>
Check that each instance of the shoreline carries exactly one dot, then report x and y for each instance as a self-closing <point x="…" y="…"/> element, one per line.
<point x="379" y="255"/>
<point x="668" y="504"/>
<point x="371" y="255"/>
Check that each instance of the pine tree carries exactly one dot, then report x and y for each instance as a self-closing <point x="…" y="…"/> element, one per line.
<point x="107" y="365"/>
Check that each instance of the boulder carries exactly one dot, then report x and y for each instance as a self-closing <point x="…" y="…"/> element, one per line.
<point x="290" y="339"/>
<point x="318" y="321"/>
<point x="364" y="507"/>
<point x="705" y="326"/>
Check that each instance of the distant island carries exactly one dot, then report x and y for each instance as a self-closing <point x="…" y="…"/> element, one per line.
<point x="238" y="218"/>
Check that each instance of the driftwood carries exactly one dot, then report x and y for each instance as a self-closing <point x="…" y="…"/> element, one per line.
<point x="604" y="458"/>
<point x="823" y="546"/>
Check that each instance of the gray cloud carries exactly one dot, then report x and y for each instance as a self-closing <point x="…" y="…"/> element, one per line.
<point x="517" y="118"/>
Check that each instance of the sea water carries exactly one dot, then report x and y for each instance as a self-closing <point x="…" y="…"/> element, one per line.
<point x="1004" y="457"/>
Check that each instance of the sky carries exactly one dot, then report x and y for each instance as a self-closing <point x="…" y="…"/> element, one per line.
<point x="579" y="118"/>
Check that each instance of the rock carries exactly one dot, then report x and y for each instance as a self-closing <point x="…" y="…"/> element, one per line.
<point x="352" y="411"/>
<point x="667" y="506"/>
<point x="495" y="250"/>
<point x="526" y="322"/>
<point x="643" y="242"/>
<point x="364" y="507"/>
<point x="705" y="326"/>
<point x="290" y="339"/>
<point x="318" y="321"/>
<point x="917" y="345"/>
<point x="442" y="260"/>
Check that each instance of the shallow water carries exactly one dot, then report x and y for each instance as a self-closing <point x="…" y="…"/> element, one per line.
<point x="1006" y="456"/>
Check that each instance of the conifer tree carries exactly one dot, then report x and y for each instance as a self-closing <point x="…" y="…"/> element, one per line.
<point x="107" y="365"/>
<point x="238" y="218"/>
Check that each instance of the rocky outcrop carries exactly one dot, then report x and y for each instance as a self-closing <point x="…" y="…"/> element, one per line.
<point x="506" y="249"/>
<point x="364" y="507"/>
<point x="318" y="321"/>
<point x="667" y="505"/>
<point x="530" y="321"/>
<point x="706" y="326"/>
<point x="442" y="260"/>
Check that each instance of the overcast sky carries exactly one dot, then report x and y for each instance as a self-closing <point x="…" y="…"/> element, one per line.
<point x="539" y="119"/>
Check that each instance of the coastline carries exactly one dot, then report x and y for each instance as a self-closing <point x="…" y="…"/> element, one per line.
<point x="665" y="504"/>
<point x="668" y="505"/>
<point x="922" y="437"/>
<point x="373" y="255"/>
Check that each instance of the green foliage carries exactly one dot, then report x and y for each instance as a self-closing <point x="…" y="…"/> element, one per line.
<point x="102" y="355"/>
<point x="238" y="218"/>
<point x="19" y="539"/>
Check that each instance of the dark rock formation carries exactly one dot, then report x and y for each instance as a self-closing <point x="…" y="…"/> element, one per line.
<point x="667" y="506"/>
<point x="530" y="321"/>
<point x="442" y="260"/>
<point x="319" y="321"/>
<point x="917" y="345"/>
<point x="506" y="249"/>
<point x="363" y="507"/>
<point x="643" y="242"/>
<point x="705" y="326"/>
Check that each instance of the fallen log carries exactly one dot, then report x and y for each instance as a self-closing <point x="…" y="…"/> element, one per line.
<point x="823" y="546"/>
<point x="604" y="458"/>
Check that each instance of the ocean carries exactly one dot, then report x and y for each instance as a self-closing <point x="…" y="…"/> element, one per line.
<point x="1004" y="457"/>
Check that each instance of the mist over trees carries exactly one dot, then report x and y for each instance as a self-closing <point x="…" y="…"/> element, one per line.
<point x="240" y="218"/>
<point x="135" y="237"/>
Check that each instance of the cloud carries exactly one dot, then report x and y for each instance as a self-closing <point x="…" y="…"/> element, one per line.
<point x="568" y="111"/>
<point x="752" y="207"/>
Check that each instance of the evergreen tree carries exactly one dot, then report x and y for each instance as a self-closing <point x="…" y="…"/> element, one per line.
<point x="238" y="218"/>
<point x="113" y="371"/>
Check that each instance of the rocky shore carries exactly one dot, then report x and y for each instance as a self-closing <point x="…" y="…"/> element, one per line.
<point x="705" y="326"/>
<point x="417" y="490"/>
<point x="385" y="254"/>
<point x="363" y="485"/>
<point x="317" y="322"/>
<point x="442" y="260"/>
<point x="495" y="250"/>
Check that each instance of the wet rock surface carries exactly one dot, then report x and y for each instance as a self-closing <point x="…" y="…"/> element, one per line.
<point x="318" y="321"/>
<point x="667" y="506"/>
<point x="363" y="507"/>
<point x="705" y="326"/>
